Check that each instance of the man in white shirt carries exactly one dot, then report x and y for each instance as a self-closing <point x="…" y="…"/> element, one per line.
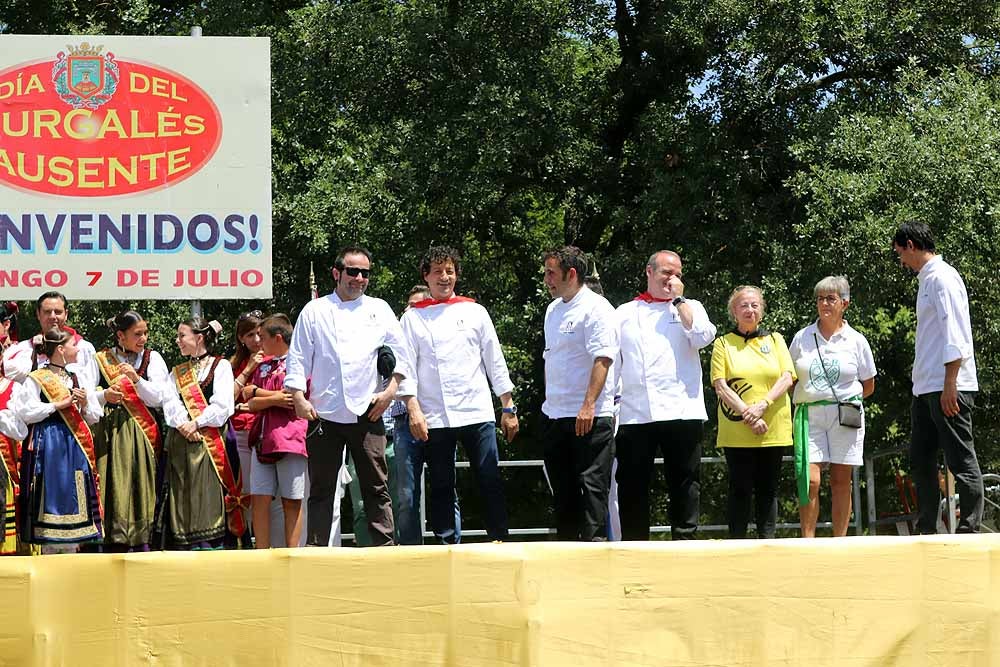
<point x="581" y="343"/>
<point x="662" y="400"/>
<point x="456" y="356"/>
<point x="944" y="382"/>
<point x="334" y="348"/>
<point x="20" y="359"/>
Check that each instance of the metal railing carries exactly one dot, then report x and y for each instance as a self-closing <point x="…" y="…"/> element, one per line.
<point x="711" y="528"/>
<point x="905" y="520"/>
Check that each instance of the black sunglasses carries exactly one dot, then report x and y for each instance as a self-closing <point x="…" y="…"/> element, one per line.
<point x="355" y="271"/>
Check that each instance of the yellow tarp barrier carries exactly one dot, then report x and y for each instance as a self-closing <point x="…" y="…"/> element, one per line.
<point x="846" y="602"/>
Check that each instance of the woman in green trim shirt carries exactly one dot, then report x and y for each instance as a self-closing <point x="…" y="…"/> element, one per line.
<point x="834" y="364"/>
<point x="751" y="373"/>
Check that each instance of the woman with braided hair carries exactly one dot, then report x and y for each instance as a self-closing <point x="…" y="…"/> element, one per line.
<point x="128" y="438"/>
<point x="60" y="491"/>
<point x="204" y="500"/>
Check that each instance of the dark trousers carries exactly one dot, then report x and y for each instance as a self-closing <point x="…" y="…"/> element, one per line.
<point x="953" y="435"/>
<point x="636" y="445"/>
<point x="753" y="483"/>
<point x="480" y="442"/>
<point x="579" y="469"/>
<point x="325" y="446"/>
<point x="411" y="455"/>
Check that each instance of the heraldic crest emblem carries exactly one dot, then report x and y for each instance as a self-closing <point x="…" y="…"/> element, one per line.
<point x="84" y="79"/>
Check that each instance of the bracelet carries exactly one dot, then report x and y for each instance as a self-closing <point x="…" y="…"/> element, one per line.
<point x="767" y="402"/>
<point x="240" y="382"/>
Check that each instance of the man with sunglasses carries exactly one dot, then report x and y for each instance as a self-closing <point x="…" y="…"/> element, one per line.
<point x="335" y="347"/>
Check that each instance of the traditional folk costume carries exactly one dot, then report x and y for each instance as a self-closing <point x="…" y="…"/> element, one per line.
<point x="6" y="343"/>
<point x="204" y="496"/>
<point x="128" y="440"/>
<point x="60" y="496"/>
<point x="12" y="432"/>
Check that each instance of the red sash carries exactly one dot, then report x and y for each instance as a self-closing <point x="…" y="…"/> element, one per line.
<point x="56" y="391"/>
<point x="211" y="436"/>
<point x="109" y="364"/>
<point x="10" y="449"/>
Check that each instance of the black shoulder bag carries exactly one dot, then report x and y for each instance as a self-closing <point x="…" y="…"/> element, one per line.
<point x="848" y="414"/>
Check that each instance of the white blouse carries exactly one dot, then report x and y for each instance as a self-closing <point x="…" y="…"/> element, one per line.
<point x="11" y="425"/>
<point x="32" y="409"/>
<point x="220" y="407"/>
<point x="151" y="391"/>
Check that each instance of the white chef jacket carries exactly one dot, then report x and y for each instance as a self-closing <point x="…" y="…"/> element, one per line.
<point x="578" y="332"/>
<point x="658" y="365"/>
<point x="457" y="356"/>
<point x="335" y="344"/>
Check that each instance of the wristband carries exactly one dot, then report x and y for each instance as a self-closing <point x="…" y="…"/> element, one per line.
<point x="512" y="410"/>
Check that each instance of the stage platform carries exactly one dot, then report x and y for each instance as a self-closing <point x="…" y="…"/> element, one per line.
<point x="846" y="602"/>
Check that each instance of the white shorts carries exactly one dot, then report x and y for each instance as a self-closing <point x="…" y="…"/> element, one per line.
<point x="829" y="442"/>
<point x="286" y="478"/>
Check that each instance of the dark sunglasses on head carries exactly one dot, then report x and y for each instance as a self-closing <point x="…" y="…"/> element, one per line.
<point x="355" y="271"/>
<point x="253" y="314"/>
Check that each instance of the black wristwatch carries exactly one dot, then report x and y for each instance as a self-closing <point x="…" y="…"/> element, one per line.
<point x="678" y="301"/>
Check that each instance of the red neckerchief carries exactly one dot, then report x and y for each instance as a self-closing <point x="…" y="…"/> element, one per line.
<point x="72" y="332"/>
<point x="649" y="298"/>
<point x="444" y="302"/>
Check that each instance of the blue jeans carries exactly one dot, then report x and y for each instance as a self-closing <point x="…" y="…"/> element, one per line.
<point x="409" y="468"/>
<point x="480" y="442"/>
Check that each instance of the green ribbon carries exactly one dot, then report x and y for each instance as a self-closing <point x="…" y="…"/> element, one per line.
<point x="800" y="438"/>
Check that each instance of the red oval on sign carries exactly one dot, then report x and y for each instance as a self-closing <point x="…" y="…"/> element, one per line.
<point x="90" y="125"/>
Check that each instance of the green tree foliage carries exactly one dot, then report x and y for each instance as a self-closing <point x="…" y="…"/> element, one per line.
<point x="768" y="142"/>
<point x="933" y="158"/>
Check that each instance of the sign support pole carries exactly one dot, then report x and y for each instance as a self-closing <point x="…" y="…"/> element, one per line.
<point x="196" y="303"/>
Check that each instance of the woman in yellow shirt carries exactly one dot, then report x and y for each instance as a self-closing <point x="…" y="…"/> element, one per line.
<point x="752" y="373"/>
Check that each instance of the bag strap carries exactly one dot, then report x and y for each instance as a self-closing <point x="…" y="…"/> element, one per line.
<point x="829" y="380"/>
